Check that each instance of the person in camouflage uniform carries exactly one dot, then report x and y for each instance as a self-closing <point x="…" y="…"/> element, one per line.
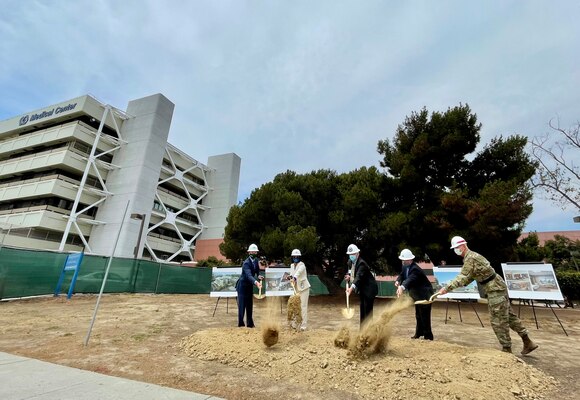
<point x="476" y="267"/>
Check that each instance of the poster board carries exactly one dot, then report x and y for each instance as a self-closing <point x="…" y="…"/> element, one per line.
<point x="223" y="281"/>
<point x="277" y="283"/>
<point x="531" y="281"/>
<point x="71" y="263"/>
<point x="443" y="275"/>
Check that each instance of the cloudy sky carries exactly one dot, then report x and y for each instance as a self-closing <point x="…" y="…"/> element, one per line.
<point x="301" y="85"/>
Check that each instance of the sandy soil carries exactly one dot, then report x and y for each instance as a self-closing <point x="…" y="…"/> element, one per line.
<point x="174" y="340"/>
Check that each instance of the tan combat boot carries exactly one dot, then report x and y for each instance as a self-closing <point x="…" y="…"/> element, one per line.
<point x="529" y="346"/>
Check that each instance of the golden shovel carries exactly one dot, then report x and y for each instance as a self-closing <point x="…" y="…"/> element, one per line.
<point x="259" y="296"/>
<point x="431" y="299"/>
<point x="347" y="312"/>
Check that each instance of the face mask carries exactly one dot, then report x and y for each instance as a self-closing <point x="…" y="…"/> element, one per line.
<point x="295" y="260"/>
<point x="457" y="251"/>
<point x="253" y="256"/>
<point x="352" y="257"/>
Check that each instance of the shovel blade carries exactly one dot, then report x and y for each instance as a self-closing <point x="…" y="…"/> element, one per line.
<point x="348" y="313"/>
<point x="431" y="299"/>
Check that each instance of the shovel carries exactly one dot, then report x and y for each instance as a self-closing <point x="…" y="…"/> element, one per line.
<point x="347" y="312"/>
<point x="431" y="299"/>
<point x="259" y="296"/>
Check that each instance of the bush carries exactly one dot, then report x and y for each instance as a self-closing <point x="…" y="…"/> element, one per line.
<point x="569" y="282"/>
<point x="210" y="262"/>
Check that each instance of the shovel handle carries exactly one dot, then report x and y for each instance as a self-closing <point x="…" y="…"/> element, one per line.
<point x="293" y="286"/>
<point x="347" y="296"/>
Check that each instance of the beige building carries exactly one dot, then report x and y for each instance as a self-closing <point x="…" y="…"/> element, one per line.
<point x="69" y="172"/>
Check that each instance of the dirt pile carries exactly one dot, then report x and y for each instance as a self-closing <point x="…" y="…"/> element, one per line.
<point x="408" y="369"/>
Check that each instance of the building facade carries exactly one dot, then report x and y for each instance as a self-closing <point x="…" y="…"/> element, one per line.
<point x="83" y="175"/>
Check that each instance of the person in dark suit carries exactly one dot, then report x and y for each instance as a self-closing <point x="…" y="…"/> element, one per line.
<point x="415" y="282"/>
<point x="363" y="283"/>
<point x="245" y="286"/>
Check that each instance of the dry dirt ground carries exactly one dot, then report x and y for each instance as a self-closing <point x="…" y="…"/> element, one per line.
<point x="173" y="340"/>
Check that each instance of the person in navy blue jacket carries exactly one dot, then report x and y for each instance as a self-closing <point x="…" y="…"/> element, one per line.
<point x="245" y="286"/>
<point x="414" y="281"/>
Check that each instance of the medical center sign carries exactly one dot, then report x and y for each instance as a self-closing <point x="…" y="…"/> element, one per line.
<point x="34" y="117"/>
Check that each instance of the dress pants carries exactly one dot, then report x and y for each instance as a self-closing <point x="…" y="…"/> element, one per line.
<point x="423" y="318"/>
<point x="245" y="306"/>
<point x="366" y="308"/>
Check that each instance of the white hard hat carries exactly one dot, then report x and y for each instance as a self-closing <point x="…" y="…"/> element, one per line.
<point x="253" y="247"/>
<point x="296" y="252"/>
<point x="352" y="249"/>
<point x="457" y="241"/>
<point x="406" y="255"/>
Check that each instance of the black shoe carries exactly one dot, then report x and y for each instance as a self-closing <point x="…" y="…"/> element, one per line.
<point x="415" y="337"/>
<point x="428" y="337"/>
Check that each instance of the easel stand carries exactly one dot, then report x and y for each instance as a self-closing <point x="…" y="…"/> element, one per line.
<point x="459" y="310"/>
<point x="534" y="312"/>
<point x="227" y="305"/>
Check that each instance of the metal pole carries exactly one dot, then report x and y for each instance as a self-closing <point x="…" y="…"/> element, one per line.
<point x="158" y="275"/>
<point x="105" y="277"/>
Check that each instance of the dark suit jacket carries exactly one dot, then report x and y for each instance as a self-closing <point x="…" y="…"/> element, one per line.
<point x="250" y="268"/>
<point x="364" y="281"/>
<point x="415" y="281"/>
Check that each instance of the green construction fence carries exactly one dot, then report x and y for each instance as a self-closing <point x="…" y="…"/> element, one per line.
<point x="25" y="273"/>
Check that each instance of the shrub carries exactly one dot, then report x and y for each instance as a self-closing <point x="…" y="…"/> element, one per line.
<point x="569" y="282"/>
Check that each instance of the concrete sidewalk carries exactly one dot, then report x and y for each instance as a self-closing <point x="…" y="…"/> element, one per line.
<point x="28" y="379"/>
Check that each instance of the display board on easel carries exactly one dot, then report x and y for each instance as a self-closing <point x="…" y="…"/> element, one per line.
<point x="223" y="284"/>
<point x="277" y="283"/>
<point x="444" y="275"/>
<point x="533" y="281"/>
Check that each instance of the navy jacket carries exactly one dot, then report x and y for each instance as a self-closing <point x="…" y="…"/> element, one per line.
<point x="415" y="281"/>
<point x="250" y="270"/>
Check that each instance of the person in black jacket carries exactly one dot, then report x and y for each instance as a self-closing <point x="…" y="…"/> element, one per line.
<point x="363" y="283"/>
<point x="414" y="281"/>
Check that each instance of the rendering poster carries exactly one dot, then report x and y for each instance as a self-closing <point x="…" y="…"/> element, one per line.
<point x="531" y="281"/>
<point x="445" y="275"/>
<point x="223" y="281"/>
<point x="277" y="283"/>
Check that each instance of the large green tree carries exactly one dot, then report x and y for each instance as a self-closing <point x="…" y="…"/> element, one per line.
<point x="320" y="213"/>
<point x="444" y="188"/>
<point x="434" y="185"/>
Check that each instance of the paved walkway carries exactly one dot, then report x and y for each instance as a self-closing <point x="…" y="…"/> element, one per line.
<point x="27" y="379"/>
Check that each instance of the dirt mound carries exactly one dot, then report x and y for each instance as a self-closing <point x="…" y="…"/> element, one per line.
<point x="408" y="369"/>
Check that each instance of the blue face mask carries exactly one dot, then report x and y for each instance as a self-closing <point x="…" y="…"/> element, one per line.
<point x="295" y="260"/>
<point x="352" y="257"/>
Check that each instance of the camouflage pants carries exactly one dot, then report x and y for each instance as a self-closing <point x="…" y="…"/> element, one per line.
<point x="502" y="318"/>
